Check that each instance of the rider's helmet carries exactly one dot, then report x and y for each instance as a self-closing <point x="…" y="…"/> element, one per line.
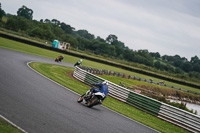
<point x="81" y="60"/>
<point x="105" y="82"/>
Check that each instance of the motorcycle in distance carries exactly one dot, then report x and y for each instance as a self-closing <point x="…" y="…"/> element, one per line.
<point x="92" y="99"/>
<point x="59" y="59"/>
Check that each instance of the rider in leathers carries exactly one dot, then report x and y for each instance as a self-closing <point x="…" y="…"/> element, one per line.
<point x="103" y="88"/>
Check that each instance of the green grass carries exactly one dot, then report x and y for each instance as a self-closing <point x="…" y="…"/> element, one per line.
<point x="63" y="76"/>
<point x="13" y="45"/>
<point x="5" y="127"/>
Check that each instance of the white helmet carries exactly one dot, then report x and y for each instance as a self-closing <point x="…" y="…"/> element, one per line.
<point x="81" y="60"/>
<point x="105" y="82"/>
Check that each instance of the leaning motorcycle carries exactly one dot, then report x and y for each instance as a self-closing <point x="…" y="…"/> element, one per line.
<point x="91" y="100"/>
<point x="57" y="59"/>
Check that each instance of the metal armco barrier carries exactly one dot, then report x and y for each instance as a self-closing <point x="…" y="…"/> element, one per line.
<point x="181" y="118"/>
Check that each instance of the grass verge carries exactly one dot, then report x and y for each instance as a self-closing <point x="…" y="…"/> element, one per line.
<point x="63" y="75"/>
<point x="5" y="127"/>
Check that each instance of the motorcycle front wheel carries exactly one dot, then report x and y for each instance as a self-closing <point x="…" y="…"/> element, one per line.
<point x="80" y="99"/>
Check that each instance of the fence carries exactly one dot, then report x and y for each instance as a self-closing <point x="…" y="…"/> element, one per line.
<point x="156" y="108"/>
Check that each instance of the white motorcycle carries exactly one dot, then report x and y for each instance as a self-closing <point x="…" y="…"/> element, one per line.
<point x="91" y="99"/>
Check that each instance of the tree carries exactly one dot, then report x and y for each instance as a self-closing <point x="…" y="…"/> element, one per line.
<point x="177" y="63"/>
<point x="55" y="21"/>
<point x="58" y="32"/>
<point x="42" y="31"/>
<point x="184" y="60"/>
<point x="18" y="23"/>
<point x="70" y="39"/>
<point x="119" y="44"/>
<point x="177" y="57"/>
<point x="67" y="28"/>
<point x="157" y="64"/>
<point x="2" y="13"/>
<point x="187" y="67"/>
<point x="100" y="39"/>
<point x="195" y="60"/>
<point x="169" y="68"/>
<point x="128" y="54"/>
<point x="178" y="70"/>
<point x="111" y="39"/>
<point x="25" y="12"/>
<point x="155" y="55"/>
<point x="85" y="34"/>
<point x="41" y="20"/>
<point x="195" y="75"/>
<point x="164" y="57"/>
<point x="47" y="21"/>
<point x="196" y="67"/>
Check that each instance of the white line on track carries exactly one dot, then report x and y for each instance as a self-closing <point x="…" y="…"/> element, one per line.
<point x="13" y="124"/>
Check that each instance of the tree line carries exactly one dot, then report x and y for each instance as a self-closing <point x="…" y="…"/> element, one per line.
<point x="83" y="40"/>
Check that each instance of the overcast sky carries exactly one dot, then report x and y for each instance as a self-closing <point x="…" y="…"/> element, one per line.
<point x="166" y="26"/>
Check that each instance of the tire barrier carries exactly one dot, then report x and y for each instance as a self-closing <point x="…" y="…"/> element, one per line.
<point x="181" y="118"/>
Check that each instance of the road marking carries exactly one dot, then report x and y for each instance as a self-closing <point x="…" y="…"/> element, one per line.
<point x="13" y="124"/>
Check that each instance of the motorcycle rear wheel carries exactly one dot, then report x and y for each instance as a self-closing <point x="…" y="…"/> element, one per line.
<point x="92" y="102"/>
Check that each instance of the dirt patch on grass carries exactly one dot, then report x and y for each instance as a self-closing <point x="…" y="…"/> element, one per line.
<point x="70" y="74"/>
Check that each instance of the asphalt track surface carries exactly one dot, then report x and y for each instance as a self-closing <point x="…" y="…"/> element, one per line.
<point x="38" y="105"/>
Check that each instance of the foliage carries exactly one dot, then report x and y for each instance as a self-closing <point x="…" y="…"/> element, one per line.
<point x="85" y="34"/>
<point x="18" y="24"/>
<point x="25" y="12"/>
<point x="111" y="47"/>
<point x="2" y="12"/>
<point x="67" y="28"/>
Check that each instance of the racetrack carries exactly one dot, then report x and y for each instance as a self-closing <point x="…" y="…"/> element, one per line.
<point x="38" y="105"/>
